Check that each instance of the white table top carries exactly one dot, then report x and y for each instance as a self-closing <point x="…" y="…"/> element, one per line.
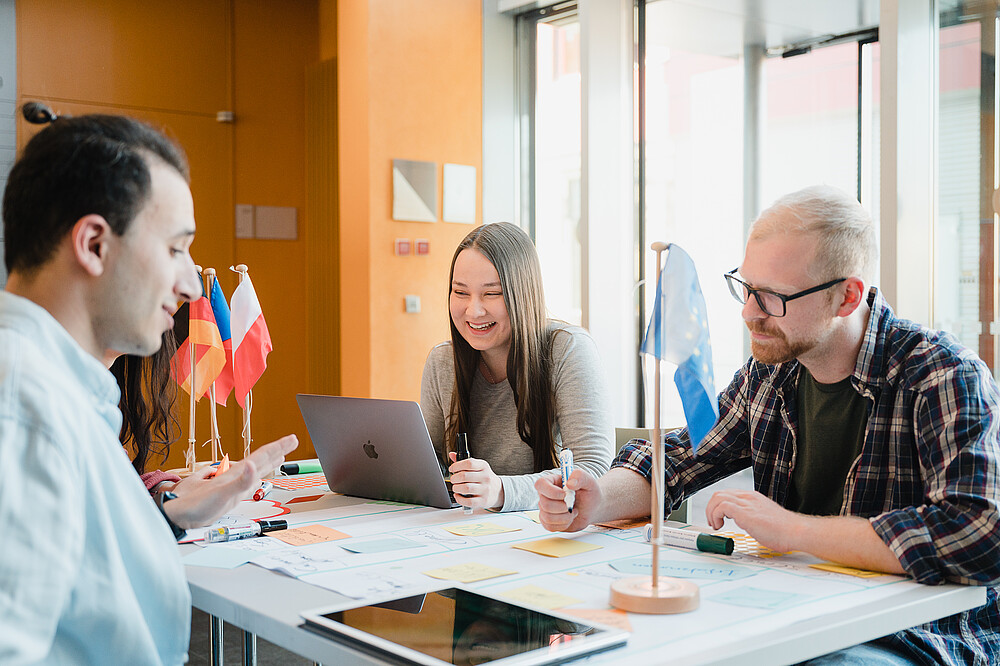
<point x="806" y="613"/>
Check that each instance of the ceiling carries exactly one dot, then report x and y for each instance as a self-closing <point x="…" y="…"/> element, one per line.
<point x="722" y="27"/>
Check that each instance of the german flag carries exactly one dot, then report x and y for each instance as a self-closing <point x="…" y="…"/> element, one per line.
<point x="210" y="354"/>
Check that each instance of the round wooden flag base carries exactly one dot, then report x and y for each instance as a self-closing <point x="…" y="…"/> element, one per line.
<point x="184" y="472"/>
<point x="637" y="595"/>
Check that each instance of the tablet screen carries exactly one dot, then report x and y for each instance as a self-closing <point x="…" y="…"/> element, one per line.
<point x="458" y="626"/>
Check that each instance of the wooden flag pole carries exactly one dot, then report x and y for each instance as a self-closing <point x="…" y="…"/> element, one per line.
<point x="216" y="440"/>
<point x="656" y="594"/>
<point x="656" y="510"/>
<point x="242" y="270"/>
<point x="191" y="456"/>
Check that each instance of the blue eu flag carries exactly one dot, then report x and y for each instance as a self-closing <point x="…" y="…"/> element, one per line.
<point x="678" y="333"/>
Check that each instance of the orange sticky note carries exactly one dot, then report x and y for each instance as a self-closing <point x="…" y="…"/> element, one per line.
<point x="303" y="536"/>
<point x="306" y="498"/>
<point x="221" y="468"/>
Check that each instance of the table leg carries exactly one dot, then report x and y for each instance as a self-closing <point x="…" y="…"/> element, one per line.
<point x="249" y="649"/>
<point x="215" y="638"/>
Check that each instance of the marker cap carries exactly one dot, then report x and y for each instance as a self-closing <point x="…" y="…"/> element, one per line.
<point x="462" y="447"/>
<point x="710" y="543"/>
<point x="272" y="525"/>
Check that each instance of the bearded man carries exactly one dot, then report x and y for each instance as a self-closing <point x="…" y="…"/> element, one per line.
<point x="873" y="440"/>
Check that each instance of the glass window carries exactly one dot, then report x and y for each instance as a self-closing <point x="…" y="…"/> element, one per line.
<point x="965" y="227"/>
<point x="694" y="182"/>
<point x="555" y="172"/>
<point x="811" y="121"/>
<point x="870" y="130"/>
<point x="694" y="137"/>
<point x="819" y="122"/>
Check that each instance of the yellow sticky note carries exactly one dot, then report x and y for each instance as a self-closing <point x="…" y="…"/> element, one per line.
<point x="539" y="596"/>
<point x="303" y="536"/>
<point x="480" y="529"/>
<point x="533" y="515"/>
<point x="557" y="547"/>
<point x="609" y="616"/>
<point x="850" y="571"/>
<point x="469" y="572"/>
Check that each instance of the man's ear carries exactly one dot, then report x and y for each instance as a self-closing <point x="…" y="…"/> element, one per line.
<point x="854" y="296"/>
<point x="91" y="236"/>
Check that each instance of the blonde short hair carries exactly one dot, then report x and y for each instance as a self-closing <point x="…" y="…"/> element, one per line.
<point x="847" y="246"/>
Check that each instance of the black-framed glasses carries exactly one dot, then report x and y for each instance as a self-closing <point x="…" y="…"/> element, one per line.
<point x="770" y="302"/>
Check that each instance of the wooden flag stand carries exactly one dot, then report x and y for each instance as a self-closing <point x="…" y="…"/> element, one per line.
<point x="191" y="456"/>
<point x="191" y="463"/>
<point x="656" y="594"/>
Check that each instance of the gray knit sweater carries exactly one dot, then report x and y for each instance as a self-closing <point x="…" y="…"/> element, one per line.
<point x="581" y="423"/>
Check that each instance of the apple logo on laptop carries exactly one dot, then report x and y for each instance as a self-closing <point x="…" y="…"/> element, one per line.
<point x="370" y="450"/>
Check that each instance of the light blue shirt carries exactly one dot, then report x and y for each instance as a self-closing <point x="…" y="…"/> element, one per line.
<point x="89" y="570"/>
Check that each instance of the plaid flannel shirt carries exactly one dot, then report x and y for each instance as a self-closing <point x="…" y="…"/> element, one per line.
<point x="927" y="477"/>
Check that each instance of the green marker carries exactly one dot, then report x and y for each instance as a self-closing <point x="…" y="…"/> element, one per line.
<point x="302" y="467"/>
<point x="706" y="543"/>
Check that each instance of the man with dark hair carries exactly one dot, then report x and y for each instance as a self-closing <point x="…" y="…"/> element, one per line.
<point x="98" y="219"/>
<point x="91" y="165"/>
<point x="873" y="440"/>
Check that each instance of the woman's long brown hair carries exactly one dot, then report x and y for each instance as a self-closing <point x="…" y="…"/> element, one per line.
<point x="529" y="360"/>
<point x="148" y="394"/>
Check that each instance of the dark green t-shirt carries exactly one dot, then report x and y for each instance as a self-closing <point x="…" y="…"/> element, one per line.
<point x="832" y="420"/>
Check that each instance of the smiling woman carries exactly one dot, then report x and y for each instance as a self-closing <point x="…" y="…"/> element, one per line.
<point x="521" y="386"/>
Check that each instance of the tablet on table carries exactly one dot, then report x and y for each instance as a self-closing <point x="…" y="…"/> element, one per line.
<point x="457" y="625"/>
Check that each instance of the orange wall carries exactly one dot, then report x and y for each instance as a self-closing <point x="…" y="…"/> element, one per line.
<point x="420" y="64"/>
<point x="327" y="29"/>
<point x="352" y="41"/>
<point x="152" y="55"/>
<point x="175" y="63"/>
<point x="409" y="87"/>
<point x="274" y="42"/>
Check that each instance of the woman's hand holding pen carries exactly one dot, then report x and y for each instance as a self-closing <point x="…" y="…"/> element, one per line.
<point x="201" y="500"/>
<point x="474" y="483"/>
<point x="553" y="512"/>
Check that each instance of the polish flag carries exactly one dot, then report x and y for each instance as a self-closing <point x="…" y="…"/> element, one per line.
<point x="251" y="341"/>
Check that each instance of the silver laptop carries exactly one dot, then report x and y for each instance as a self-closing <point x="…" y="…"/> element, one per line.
<point x="378" y="449"/>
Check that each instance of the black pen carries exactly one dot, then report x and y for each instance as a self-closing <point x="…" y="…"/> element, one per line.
<point x="462" y="453"/>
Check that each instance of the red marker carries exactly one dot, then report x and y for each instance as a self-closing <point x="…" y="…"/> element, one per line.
<point x="261" y="493"/>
